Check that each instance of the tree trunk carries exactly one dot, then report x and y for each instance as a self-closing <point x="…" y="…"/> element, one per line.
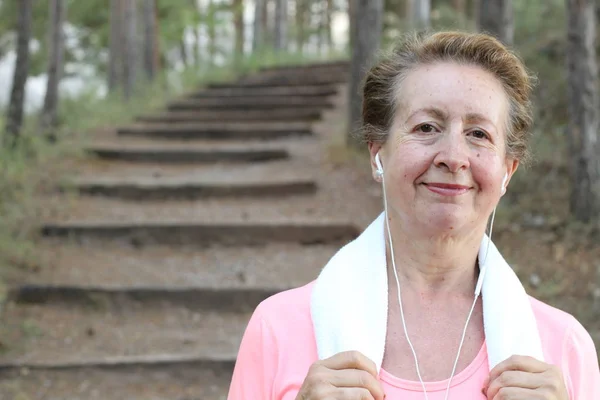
<point x="280" y="42"/>
<point x="418" y="12"/>
<point x="367" y="34"/>
<point x="183" y="52"/>
<point x="496" y="18"/>
<point x="583" y="110"/>
<point x="14" y="118"/>
<point x="150" y="37"/>
<point x="320" y="26"/>
<point x="300" y="25"/>
<point x="328" y="19"/>
<point x="351" y="22"/>
<point x="197" y="34"/>
<point x="238" y="12"/>
<point x="56" y="40"/>
<point x="258" y="28"/>
<point x="130" y="60"/>
<point x="460" y="6"/>
<point x="212" y="34"/>
<point x="115" y="52"/>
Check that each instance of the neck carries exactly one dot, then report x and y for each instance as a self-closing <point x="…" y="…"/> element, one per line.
<point x="434" y="265"/>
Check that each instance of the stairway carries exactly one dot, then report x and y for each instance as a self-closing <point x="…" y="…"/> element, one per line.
<point x="186" y="220"/>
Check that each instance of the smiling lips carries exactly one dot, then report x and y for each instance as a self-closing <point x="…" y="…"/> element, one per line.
<point x="447" y="189"/>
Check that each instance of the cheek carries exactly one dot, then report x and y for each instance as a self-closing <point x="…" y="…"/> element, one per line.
<point x="412" y="159"/>
<point x="486" y="170"/>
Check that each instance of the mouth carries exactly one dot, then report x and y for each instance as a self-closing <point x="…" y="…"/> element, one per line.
<point x="447" y="189"/>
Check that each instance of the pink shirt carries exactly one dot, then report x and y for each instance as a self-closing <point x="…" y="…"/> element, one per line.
<point x="279" y="347"/>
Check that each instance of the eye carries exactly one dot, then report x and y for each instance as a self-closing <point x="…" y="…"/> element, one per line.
<point x="479" y="134"/>
<point x="426" y="128"/>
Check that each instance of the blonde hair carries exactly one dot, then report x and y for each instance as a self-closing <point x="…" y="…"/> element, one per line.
<point x="380" y="89"/>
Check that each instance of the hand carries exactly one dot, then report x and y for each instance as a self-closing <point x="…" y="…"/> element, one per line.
<point x="525" y="378"/>
<point x="345" y="376"/>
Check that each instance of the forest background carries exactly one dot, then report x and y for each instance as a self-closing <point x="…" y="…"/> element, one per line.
<point x="95" y="63"/>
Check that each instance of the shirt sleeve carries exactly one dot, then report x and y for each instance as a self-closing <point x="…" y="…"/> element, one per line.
<point x="256" y="364"/>
<point x="580" y="364"/>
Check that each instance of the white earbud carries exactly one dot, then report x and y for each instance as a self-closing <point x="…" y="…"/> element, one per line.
<point x="379" y="171"/>
<point x="503" y="187"/>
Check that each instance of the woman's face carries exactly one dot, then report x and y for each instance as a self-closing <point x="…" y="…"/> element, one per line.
<point x="445" y="157"/>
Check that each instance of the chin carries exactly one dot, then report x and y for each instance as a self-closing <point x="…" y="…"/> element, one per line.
<point x="444" y="221"/>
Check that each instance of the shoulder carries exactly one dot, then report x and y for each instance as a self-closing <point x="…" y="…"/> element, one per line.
<point x="565" y="340"/>
<point x="287" y="308"/>
<point x="552" y="322"/>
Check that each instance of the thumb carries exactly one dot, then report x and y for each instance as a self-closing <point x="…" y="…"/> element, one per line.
<point x="486" y="383"/>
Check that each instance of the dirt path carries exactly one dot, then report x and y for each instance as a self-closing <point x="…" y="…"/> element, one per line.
<point x="186" y="220"/>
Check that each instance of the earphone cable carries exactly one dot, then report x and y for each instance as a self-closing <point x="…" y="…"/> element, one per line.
<point x="477" y="291"/>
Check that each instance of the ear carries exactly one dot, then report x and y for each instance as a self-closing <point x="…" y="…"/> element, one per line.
<point x="511" y="168"/>
<point x="375" y="148"/>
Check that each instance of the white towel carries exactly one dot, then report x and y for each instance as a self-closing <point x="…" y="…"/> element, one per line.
<point x="349" y="303"/>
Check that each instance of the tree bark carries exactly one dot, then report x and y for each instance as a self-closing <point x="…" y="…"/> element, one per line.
<point x="56" y="40"/>
<point x="115" y="51"/>
<point x="367" y="34"/>
<point x="419" y="14"/>
<point x="150" y="39"/>
<point x="583" y="110"/>
<point x="328" y="19"/>
<point x="460" y="6"/>
<point x="351" y="22"/>
<point x="496" y="18"/>
<point x="238" y="12"/>
<point x="14" y="118"/>
<point x="258" y="27"/>
<point x="280" y="42"/>
<point x="197" y="34"/>
<point x="183" y="52"/>
<point x="212" y="34"/>
<point x="130" y="60"/>
<point x="300" y="25"/>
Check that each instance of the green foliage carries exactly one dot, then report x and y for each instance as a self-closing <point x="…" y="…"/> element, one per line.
<point x="26" y="170"/>
<point x="31" y="170"/>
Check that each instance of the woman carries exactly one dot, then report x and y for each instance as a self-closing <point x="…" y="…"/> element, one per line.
<point x="422" y="305"/>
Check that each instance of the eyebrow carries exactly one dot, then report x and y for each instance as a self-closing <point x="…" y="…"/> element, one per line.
<point x="475" y="117"/>
<point x="438" y="113"/>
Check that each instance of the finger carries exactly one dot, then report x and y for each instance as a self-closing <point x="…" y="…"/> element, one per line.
<point x="514" y="379"/>
<point x="518" y="363"/>
<point x="351" y="360"/>
<point x="359" y="379"/>
<point x="354" y="394"/>
<point x="516" y="394"/>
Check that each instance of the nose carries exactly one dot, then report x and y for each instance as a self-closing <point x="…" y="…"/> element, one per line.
<point x="453" y="151"/>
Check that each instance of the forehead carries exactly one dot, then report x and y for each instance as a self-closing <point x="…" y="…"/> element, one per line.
<point x="454" y="88"/>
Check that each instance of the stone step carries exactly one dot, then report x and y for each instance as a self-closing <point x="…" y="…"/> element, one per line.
<point x="186" y="154"/>
<point x="320" y="210"/>
<point x="140" y="188"/>
<point x="225" y="93"/>
<point x="218" y="130"/>
<point x="183" y="381"/>
<point x="296" y="168"/>
<point x="69" y="272"/>
<point x="250" y="103"/>
<point x="128" y="332"/>
<point x="282" y="79"/>
<point x="322" y="65"/>
<point x="290" y="77"/>
<point x="203" y="233"/>
<point x="67" y="339"/>
<point x="293" y="115"/>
